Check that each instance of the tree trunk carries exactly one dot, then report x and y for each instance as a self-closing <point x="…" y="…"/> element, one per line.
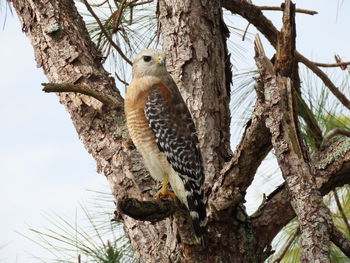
<point x="195" y="39"/>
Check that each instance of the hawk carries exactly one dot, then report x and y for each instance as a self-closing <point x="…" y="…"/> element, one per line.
<point x="162" y="129"/>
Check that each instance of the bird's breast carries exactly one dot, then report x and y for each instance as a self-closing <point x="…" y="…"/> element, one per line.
<point x="145" y="142"/>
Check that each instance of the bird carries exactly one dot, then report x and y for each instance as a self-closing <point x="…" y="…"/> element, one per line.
<point x="163" y="131"/>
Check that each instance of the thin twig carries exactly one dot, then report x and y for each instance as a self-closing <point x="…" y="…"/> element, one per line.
<point x="245" y="31"/>
<point x="121" y="80"/>
<point x="323" y="76"/>
<point x="334" y="132"/>
<point x="82" y="89"/>
<point x="338" y="60"/>
<point x="277" y="8"/>
<point x="106" y="33"/>
<point x="265" y="26"/>
<point x="286" y="247"/>
<point x="98" y="5"/>
<point x="340" y="240"/>
<point x="135" y="3"/>
<point x="118" y="17"/>
<point x="332" y="65"/>
<point x="341" y="210"/>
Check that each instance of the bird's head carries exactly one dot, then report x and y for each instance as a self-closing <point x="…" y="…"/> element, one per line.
<point x="149" y="62"/>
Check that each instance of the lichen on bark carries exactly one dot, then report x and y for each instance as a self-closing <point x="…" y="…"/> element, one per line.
<point x="194" y="36"/>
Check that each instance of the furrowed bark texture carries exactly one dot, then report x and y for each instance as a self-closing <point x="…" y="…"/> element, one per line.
<point x="314" y="217"/>
<point x="195" y="39"/>
<point x="67" y="55"/>
<point x="64" y="50"/>
<point x="331" y="167"/>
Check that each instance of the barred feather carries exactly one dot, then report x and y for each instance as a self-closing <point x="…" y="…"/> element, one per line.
<point x="176" y="137"/>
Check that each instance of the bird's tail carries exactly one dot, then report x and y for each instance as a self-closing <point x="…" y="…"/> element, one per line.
<point x="197" y="213"/>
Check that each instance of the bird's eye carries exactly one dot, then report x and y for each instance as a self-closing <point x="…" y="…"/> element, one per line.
<point x="147" y="58"/>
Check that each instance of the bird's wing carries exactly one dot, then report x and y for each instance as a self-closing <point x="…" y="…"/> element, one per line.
<point x="176" y="137"/>
<point x="175" y="132"/>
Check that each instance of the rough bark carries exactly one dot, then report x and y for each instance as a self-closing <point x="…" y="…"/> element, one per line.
<point x="194" y="36"/>
<point x="195" y="39"/>
<point x="314" y="218"/>
<point x="331" y="168"/>
<point x="66" y="53"/>
<point x="306" y="199"/>
<point x="255" y="16"/>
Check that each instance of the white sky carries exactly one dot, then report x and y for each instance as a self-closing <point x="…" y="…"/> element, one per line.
<point x="44" y="166"/>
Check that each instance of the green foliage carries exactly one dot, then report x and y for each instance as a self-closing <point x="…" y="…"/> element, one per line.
<point x="322" y="106"/>
<point x="331" y="122"/>
<point x="92" y="238"/>
<point x="243" y="99"/>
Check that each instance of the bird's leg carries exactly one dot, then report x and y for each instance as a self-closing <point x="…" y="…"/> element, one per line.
<point x="129" y="144"/>
<point x="164" y="192"/>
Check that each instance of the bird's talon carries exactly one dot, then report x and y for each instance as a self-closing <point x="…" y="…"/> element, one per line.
<point x="129" y="144"/>
<point x="161" y="194"/>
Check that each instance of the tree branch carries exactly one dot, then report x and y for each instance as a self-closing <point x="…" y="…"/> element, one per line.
<point x="276" y="211"/>
<point x="153" y="211"/>
<point x="121" y="53"/>
<point x="332" y="133"/>
<point x="121" y="80"/>
<point x="255" y="16"/>
<point x="136" y="3"/>
<point x="278" y="8"/>
<point x="117" y="16"/>
<point x="238" y="173"/>
<point x="338" y="238"/>
<point x="326" y="80"/>
<point x="82" y="89"/>
<point x="98" y="5"/>
<point x="282" y="121"/>
<point x="332" y="65"/>
<point x="332" y="167"/>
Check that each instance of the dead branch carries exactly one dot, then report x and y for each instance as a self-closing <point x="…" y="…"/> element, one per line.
<point x="333" y="65"/>
<point x="276" y="211"/>
<point x="326" y="80"/>
<point x="278" y="8"/>
<point x="340" y="240"/>
<point x="290" y="152"/>
<point x="255" y="16"/>
<point x="338" y="60"/>
<point x="332" y="133"/>
<point x="121" y="80"/>
<point x="264" y="64"/>
<point x="153" y="211"/>
<point x="117" y="16"/>
<point x="238" y="173"/>
<point x="98" y="5"/>
<point x="136" y="3"/>
<point x="82" y="89"/>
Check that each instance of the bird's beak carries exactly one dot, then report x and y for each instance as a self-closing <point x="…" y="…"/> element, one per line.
<point x="161" y="60"/>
